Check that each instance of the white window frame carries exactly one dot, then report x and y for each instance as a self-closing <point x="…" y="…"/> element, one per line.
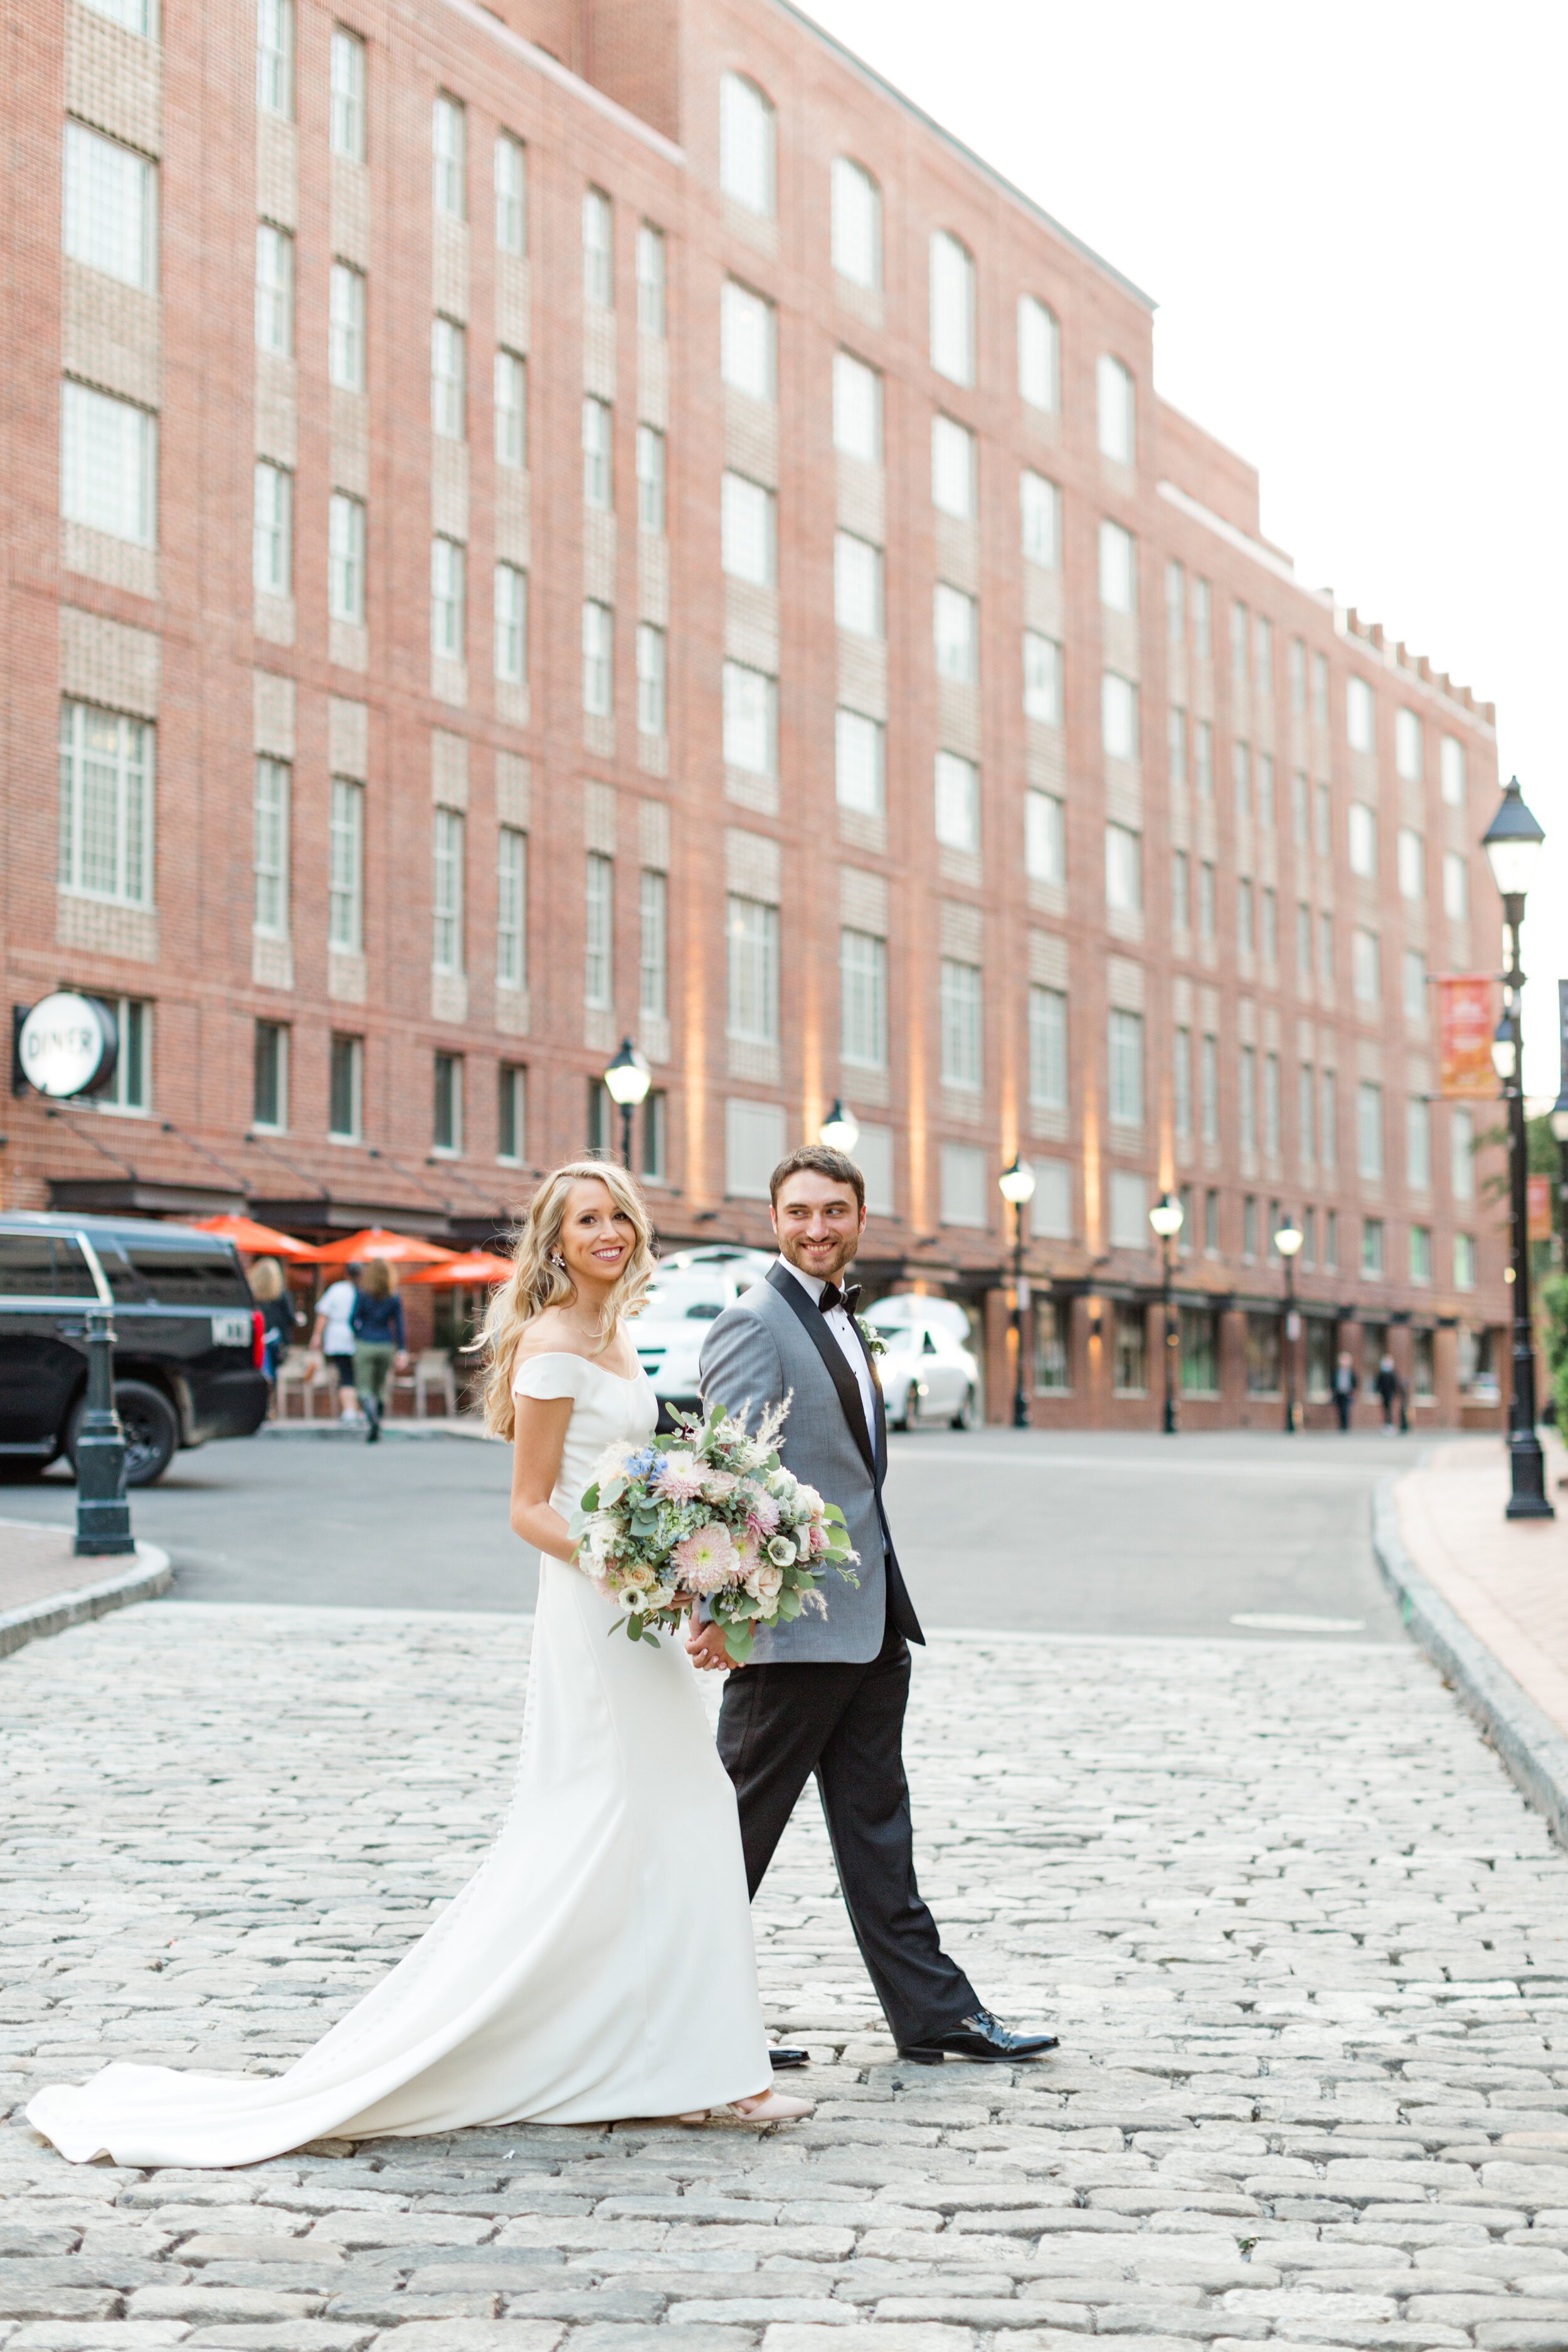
<point x="449" y="379"/>
<point x="863" y="999"/>
<point x="653" y="466"/>
<point x="509" y="176"/>
<point x="1041" y="520"/>
<point x="955" y="634"/>
<point x="448" y="598"/>
<point x="962" y="1024"/>
<point x="108" y="767"/>
<point x="952" y="306"/>
<point x="856" y="408"/>
<point x="274" y="57"/>
<point x="511" y="907"/>
<point x="1118" y="568"/>
<point x="599" y="933"/>
<point x="346" y="110"/>
<point x="957" y="794"/>
<point x="449" y="859"/>
<point x="345" y="866"/>
<point x="109" y="463"/>
<point x="108" y="211"/>
<point x="1047" y="1016"/>
<point x="750" y="719"/>
<point x="1045" y="837"/>
<point x="272" y="530"/>
<point x="748" y="341"/>
<point x="1119" y="716"/>
<point x="1042" y="679"/>
<point x="1116" y="410"/>
<point x="1039" y="355"/>
<point x="752" y="930"/>
<point x="748" y="530"/>
<point x="599" y="249"/>
<point x="598" y="454"/>
<point x="652" y="656"/>
<point x="274" y="289"/>
<point x="1123" y="870"/>
<point x="954" y="468"/>
<point x="857" y="603"/>
<point x="598" y="659"/>
<point x="653" y="278"/>
<point x="653" y="944"/>
<point x="747" y="143"/>
<point x="510" y="622"/>
<point x="449" y="156"/>
<point x="346" y="526"/>
<point x="271" y="793"/>
<point x="860" y="763"/>
<point x="1361" y="715"/>
<point x="1124" y="1094"/>
<point x="857" y="232"/>
<point x="347" y="302"/>
<point x="509" y="395"/>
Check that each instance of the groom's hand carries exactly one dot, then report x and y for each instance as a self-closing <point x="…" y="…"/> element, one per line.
<point x="705" y="1648"/>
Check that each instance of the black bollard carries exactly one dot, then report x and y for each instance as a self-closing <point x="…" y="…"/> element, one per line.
<point x="102" y="1512"/>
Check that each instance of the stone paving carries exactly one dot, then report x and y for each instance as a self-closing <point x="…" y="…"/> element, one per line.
<point x="1307" y="1947"/>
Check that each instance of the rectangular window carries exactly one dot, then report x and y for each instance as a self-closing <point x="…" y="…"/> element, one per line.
<point x="1208" y="1071"/>
<point x="274" y="291"/>
<point x="511" y="1114"/>
<point x="1124" y="1035"/>
<point x="1455" y="886"/>
<point x="1130" y="1351"/>
<point x="346" y="327"/>
<point x="1181" y="1088"/>
<point x="1298" y="674"/>
<point x="345" y="122"/>
<point x="1176" y="744"/>
<point x="1322" y="821"/>
<point x="345" y="558"/>
<point x="449" y="157"/>
<point x="746" y="341"/>
<point x="274" y="57"/>
<point x="1048" y="1048"/>
<point x="1045" y="837"/>
<point x="1361" y="715"/>
<point x="1421" y="1263"/>
<point x="747" y="531"/>
<point x="1366" y="965"/>
<point x="957" y="802"/>
<point x="1119" y="717"/>
<point x="272" y="531"/>
<point x="599" y="249"/>
<point x="1271" y="1105"/>
<point x="857" y="764"/>
<point x="1464" y="1261"/>
<point x="1249" y="1225"/>
<point x="1304" y="945"/>
<point x="1208" y="899"/>
<point x="863" y="999"/>
<point x="510" y="401"/>
<point x="510" y="183"/>
<point x="106" y="779"/>
<point x="1246" y="1099"/>
<point x="1462" y="1154"/>
<point x="269" y="1077"/>
<point x="1239" y="643"/>
<point x="449" y="379"/>
<point x="1371" y="1251"/>
<point x="1117" y="569"/>
<point x="598" y="437"/>
<point x="651" y="643"/>
<point x="1241" y="779"/>
<point x="751" y="722"/>
<point x="1415" y="969"/>
<point x="511" y="624"/>
<point x="447" y="891"/>
<point x="1039" y="350"/>
<point x="1263" y="656"/>
<point x="651" y="279"/>
<point x="599" y="947"/>
<point x="653" y="944"/>
<point x="1203" y="618"/>
<point x="1181" y="890"/>
<point x="1451" y="771"/>
<point x="857" y="584"/>
<point x="1408" y="759"/>
<point x="651" y="481"/>
<point x="753" y="971"/>
<point x="965" y="1186"/>
<point x="1266" y="789"/>
<point x="1326" y="950"/>
<point x="598" y="660"/>
<point x="856" y="223"/>
<point x="655" y="1167"/>
<point x="447" y="1108"/>
<point x="345" y="867"/>
<point x="1203" y="758"/>
<point x="1327" y="1119"/>
<point x="1042" y="679"/>
<point x="1300" y="810"/>
<point x="1176" y="606"/>
<point x="1123" y="870"/>
<point x="957" y="632"/>
<point x="1053" y="1349"/>
<point x="1040" y="516"/>
<point x="1369" y="1130"/>
<point x="857" y="409"/>
<point x="269" y="849"/>
<point x="130" y="1089"/>
<point x="345" y="1070"/>
<point x="108" y="464"/>
<point x="952" y="308"/>
<point x="511" y="907"/>
<point x="1418" y="1144"/>
<point x="746" y="135"/>
<point x="109" y="209"/>
<point x="1200" y="1350"/>
<point x="1410" y="853"/>
<point x="1117" y="411"/>
<point x="448" y="597"/>
<point x="960" y="998"/>
<point x="1306" y="1110"/>
<point x="955" y="469"/>
<point x="1363" y="840"/>
<point x="1269" y="941"/>
<point x="135" y="16"/>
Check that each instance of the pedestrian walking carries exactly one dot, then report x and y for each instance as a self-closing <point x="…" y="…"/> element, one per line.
<point x="333" y="1338"/>
<point x="381" y="1341"/>
<point x="279" y="1317"/>
<point x="1389" y="1388"/>
<point x="1345" y="1386"/>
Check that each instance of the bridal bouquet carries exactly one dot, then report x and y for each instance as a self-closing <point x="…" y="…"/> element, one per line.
<point x="709" y="1510"/>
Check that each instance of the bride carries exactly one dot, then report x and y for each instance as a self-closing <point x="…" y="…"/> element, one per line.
<point x="599" y="1964"/>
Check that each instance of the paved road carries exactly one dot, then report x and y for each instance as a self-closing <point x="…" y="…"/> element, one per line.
<point x="995" y="1528"/>
<point x="1307" y="1948"/>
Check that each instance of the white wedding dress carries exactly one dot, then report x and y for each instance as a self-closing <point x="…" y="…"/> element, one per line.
<point x="598" y="1966"/>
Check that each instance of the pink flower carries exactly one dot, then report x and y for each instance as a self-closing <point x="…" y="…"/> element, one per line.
<point x="763" y="1517"/>
<point x="681" y="1477"/>
<point x="707" y="1562"/>
<point x="819" y="1537"/>
<point x="717" y="1483"/>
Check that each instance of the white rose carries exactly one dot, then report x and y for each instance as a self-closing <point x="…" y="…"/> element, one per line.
<point x="766" y="1582"/>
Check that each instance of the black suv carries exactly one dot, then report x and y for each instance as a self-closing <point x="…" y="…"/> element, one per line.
<point x="187" y="1359"/>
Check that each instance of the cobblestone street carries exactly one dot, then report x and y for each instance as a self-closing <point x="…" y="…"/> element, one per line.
<point x="1306" y="1946"/>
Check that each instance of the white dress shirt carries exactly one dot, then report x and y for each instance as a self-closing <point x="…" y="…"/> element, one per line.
<point x="839" y="1322"/>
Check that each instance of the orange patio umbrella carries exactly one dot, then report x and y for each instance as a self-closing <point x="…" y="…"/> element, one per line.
<point x="253" y="1240"/>
<point x="376" y="1241"/>
<point x="473" y="1267"/>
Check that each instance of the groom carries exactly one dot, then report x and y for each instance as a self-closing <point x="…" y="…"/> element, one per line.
<point x="826" y="1694"/>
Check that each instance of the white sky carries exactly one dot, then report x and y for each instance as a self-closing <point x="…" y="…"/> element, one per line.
<point x="1353" y="218"/>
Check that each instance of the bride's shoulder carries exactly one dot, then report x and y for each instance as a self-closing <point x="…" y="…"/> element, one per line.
<point x="546" y="1364"/>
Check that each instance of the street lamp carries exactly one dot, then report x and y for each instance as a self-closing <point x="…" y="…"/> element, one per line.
<point x="1167" y="1218"/>
<point x="1512" y="843"/>
<point x="1288" y="1241"/>
<point x="627" y="1081"/>
<point x="840" y="1130"/>
<point x="1016" y="1184"/>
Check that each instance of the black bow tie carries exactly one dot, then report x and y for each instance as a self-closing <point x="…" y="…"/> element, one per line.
<point x="832" y="1296"/>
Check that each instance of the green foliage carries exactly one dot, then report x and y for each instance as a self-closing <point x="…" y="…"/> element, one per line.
<point x="1554" y="1333"/>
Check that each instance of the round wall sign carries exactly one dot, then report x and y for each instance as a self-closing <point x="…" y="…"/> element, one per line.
<point x="67" y="1045"/>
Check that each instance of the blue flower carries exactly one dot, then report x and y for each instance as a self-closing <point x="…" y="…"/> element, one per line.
<point x="646" y="1464"/>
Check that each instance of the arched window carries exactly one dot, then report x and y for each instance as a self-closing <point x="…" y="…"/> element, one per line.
<point x="856" y="223"/>
<point x="747" y="144"/>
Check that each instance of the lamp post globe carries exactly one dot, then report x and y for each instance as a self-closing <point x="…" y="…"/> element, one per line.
<point x="840" y="1130"/>
<point x="626" y="1082"/>
<point x="1513" y="843"/>
<point x="1016" y="1186"/>
<point x="1287" y="1240"/>
<point x="1167" y="1217"/>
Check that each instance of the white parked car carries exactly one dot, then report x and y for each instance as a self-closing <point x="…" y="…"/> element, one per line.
<point x="927" y="1370"/>
<point x="691" y="1290"/>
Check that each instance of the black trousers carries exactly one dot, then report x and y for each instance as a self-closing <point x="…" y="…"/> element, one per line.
<point x="781" y="1724"/>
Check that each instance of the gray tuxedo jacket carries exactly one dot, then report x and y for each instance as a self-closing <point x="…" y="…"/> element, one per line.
<point x="772" y="1344"/>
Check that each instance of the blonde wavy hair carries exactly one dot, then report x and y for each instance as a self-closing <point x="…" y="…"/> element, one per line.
<point x="538" y="1281"/>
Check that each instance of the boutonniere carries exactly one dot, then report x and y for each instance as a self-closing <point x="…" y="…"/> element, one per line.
<point x="875" y="1344"/>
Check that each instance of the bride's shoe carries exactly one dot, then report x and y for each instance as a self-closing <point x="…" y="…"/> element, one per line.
<point x="767" y="2107"/>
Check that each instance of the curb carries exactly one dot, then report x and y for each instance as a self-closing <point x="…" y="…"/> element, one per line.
<point x="151" y="1574"/>
<point x="1529" y="1744"/>
<point x="329" y="1434"/>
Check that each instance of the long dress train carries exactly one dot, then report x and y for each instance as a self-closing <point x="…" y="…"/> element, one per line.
<point x="599" y="1964"/>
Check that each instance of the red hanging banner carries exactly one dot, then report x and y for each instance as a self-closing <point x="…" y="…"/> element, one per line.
<point x="1466" y="1018"/>
<point x="1538" y="1209"/>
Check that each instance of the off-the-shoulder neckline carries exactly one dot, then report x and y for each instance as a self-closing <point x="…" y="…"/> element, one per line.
<point x="569" y="1355"/>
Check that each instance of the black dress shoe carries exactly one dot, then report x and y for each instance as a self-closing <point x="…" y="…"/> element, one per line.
<point x="782" y="2058"/>
<point x="983" y="2037"/>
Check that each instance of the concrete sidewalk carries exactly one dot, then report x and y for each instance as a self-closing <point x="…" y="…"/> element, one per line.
<point x="44" y="1586"/>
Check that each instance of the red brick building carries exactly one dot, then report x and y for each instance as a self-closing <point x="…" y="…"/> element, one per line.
<point x="586" y="518"/>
